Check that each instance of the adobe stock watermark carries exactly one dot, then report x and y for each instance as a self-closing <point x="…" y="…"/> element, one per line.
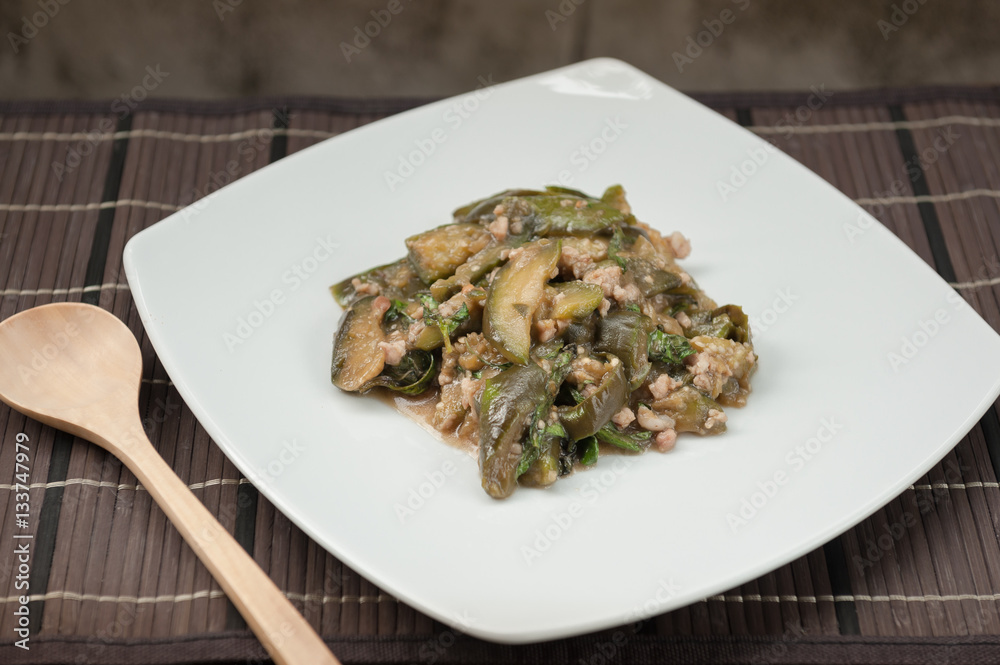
<point x="795" y="460"/>
<point x="288" y="453"/>
<point x="777" y="652"/>
<point x="51" y="346"/>
<point x="666" y="590"/>
<point x="783" y="301"/>
<point x="613" y="648"/>
<point x="914" y="167"/>
<point x="423" y="492"/>
<point x="226" y="515"/>
<point x="159" y="411"/>
<point x="985" y="276"/>
<point x="899" y="16"/>
<point x="122" y="107"/>
<point x="312" y="603"/>
<point x="817" y="99"/>
<point x="247" y="150"/>
<point x="878" y="547"/>
<point x="610" y="650"/>
<point x="223" y="7"/>
<point x="37" y="21"/>
<point x="740" y="174"/>
<point x="435" y="648"/>
<point x="454" y="116"/>
<point x="923" y="332"/>
<point x="20" y="507"/>
<point x="561" y="13"/>
<point x="363" y="35"/>
<point x="125" y="615"/>
<point x="703" y="39"/>
<point x="561" y="522"/>
<point x="293" y="278"/>
<point x="928" y="157"/>
<point x="861" y="225"/>
<point x="590" y="151"/>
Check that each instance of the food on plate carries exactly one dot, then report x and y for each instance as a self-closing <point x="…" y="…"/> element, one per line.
<point x="545" y="327"/>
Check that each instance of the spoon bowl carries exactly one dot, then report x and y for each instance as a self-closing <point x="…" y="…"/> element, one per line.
<point x="78" y="368"/>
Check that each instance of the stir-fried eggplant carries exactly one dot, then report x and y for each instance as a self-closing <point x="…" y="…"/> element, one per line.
<point x="394" y="280"/>
<point x="595" y="411"/>
<point x="552" y="326"/>
<point x="514" y="297"/>
<point x="411" y="376"/>
<point x="506" y="407"/>
<point x="357" y="356"/>
<point x="575" y="300"/>
<point x="439" y="252"/>
<point x="625" y="334"/>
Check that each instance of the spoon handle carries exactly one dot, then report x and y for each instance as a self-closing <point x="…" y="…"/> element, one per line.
<point x="281" y="629"/>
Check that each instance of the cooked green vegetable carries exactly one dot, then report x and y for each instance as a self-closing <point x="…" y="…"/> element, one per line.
<point x="393" y="280"/>
<point x="506" y="407"/>
<point x="633" y="256"/>
<point x="575" y="300"/>
<point x="615" y="248"/>
<point x="439" y="252"/>
<point x="538" y="319"/>
<point x="544" y="470"/>
<point x="588" y="449"/>
<point x="582" y="332"/>
<point x="649" y="279"/>
<point x="475" y="211"/>
<point x="473" y="270"/>
<point x="691" y="409"/>
<point x="445" y="325"/>
<point x="514" y="297"/>
<point x="411" y="376"/>
<point x="543" y="438"/>
<point x="357" y="357"/>
<point x="727" y="321"/>
<point x="590" y="415"/>
<point x="615" y="196"/>
<point x="625" y="334"/>
<point x="397" y="311"/>
<point x="668" y="348"/>
<point x="551" y="216"/>
<point x="635" y="442"/>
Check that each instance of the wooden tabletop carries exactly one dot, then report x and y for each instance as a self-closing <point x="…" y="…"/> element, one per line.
<point x="110" y="581"/>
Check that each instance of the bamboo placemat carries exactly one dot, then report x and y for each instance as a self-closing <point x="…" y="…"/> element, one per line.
<point x="112" y="582"/>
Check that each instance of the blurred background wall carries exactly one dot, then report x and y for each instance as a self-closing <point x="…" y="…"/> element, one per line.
<point x="226" y="48"/>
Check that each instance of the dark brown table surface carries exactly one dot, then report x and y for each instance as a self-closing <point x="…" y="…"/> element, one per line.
<point x="112" y="582"/>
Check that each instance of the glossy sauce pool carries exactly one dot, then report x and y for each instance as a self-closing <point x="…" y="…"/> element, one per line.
<point x="420" y="409"/>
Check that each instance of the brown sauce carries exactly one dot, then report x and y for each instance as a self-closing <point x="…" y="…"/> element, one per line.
<point x="420" y="409"/>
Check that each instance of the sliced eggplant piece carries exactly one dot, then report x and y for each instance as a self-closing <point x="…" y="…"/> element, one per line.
<point x="357" y="356"/>
<point x="478" y="266"/>
<point x="514" y="296"/>
<point x="437" y="253"/>
<point x="508" y="402"/>
<point x="595" y="411"/>
<point x="625" y="334"/>
<point x="397" y="281"/>
<point x="550" y="216"/>
<point x="575" y="300"/>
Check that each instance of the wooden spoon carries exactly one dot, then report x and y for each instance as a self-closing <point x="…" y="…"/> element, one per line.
<point x="78" y="368"/>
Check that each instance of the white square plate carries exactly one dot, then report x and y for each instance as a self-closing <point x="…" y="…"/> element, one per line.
<point x="871" y="367"/>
